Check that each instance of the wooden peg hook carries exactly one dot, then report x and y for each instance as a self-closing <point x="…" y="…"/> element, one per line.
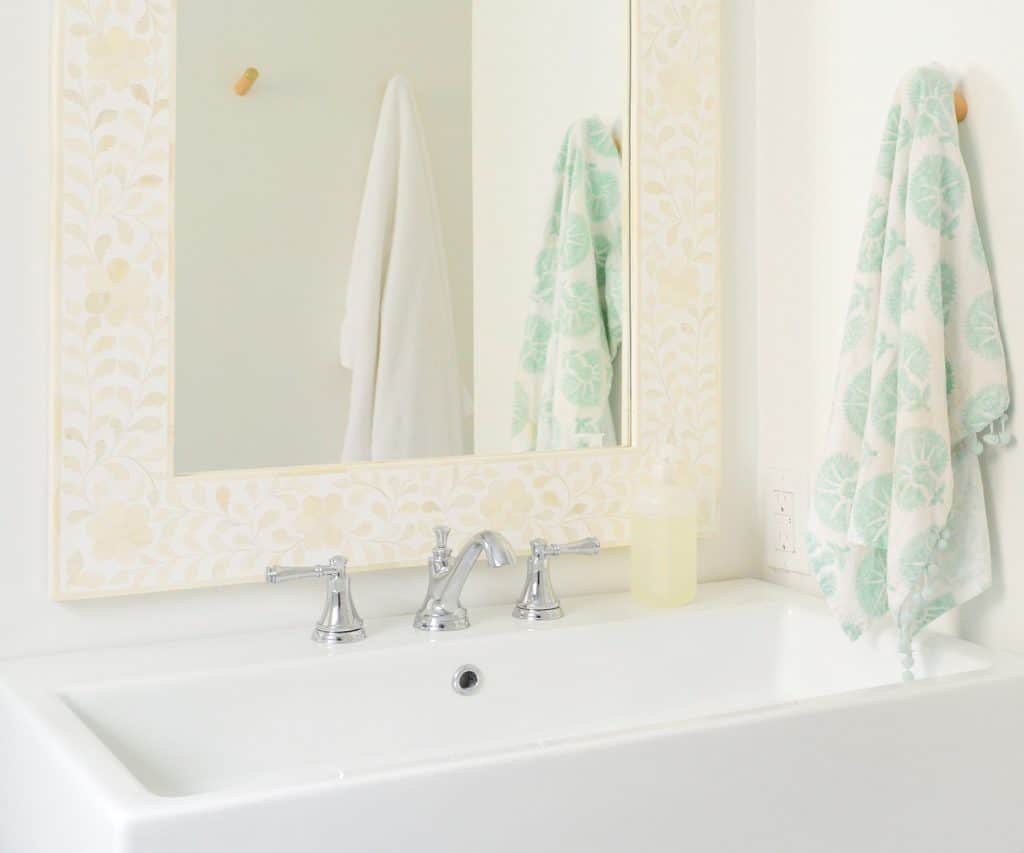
<point x="246" y="81"/>
<point x="960" y="103"/>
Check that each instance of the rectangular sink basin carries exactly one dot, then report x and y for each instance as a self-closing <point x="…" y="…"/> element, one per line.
<point x="268" y="742"/>
<point x="324" y="717"/>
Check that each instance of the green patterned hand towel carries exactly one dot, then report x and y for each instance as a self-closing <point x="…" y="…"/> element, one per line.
<point x="574" y="326"/>
<point x="898" y="519"/>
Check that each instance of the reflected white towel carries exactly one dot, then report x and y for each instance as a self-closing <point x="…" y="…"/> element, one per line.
<point x="398" y="334"/>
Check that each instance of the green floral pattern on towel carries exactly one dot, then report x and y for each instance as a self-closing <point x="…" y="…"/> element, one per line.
<point x="603" y="198"/>
<point x="885" y="407"/>
<point x="895" y="138"/>
<point x="899" y="296"/>
<point x="898" y="521"/>
<point x="872" y="247"/>
<point x="931" y="92"/>
<point x="575" y="242"/>
<point x="584" y="378"/>
<point x="855" y="404"/>
<point x="872" y="589"/>
<point x="916" y="556"/>
<point x="986" y="407"/>
<point x="983" y="329"/>
<point x="599" y="138"/>
<point x="574" y="330"/>
<point x="871" y="511"/>
<point x="520" y="408"/>
<point x="937" y="190"/>
<point x="922" y="463"/>
<point x="942" y="291"/>
<point x="545" y="270"/>
<point x="580" y="310"/>
<point x="915" y="365"/>
<point x="834" y="491"/>
<point x="856" y="318"/>
<point x="535" y="344"/>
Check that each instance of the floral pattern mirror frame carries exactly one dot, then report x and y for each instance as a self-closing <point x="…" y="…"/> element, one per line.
<point x="123" y="523"/>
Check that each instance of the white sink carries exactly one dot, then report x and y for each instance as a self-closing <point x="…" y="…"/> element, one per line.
<point x="321" y="718"/>
<point x="270" y="743"/>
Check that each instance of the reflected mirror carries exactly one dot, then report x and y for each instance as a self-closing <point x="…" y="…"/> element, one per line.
<point x="406" y="237"/>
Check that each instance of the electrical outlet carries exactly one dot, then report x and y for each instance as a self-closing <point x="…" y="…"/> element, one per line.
<point x="785" y="502"/>
<point x="783" y="521"/>
<point x="782" y="544"/>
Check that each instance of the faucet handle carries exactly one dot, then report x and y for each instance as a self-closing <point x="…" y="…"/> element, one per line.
<point x="336" y="567"/>
<point x="588" y="547"/>
<point x="538" y="603"/>
<point x="340" y="622"/>
<point x="441" y="534"/>
<point x="441" y="556"/>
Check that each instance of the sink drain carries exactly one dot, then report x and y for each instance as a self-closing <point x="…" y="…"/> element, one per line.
<point x="467" y="680"/>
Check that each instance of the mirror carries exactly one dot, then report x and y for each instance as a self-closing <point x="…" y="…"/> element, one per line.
<point x="408" y="238"/>
<point x="139" y="506"/>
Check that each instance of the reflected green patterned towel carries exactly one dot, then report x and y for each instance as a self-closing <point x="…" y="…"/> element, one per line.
<point x="897" y="521"/>
<point x="574" y="328"/>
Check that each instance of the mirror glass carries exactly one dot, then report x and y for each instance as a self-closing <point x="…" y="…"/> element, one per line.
<point x="407" y="239"/>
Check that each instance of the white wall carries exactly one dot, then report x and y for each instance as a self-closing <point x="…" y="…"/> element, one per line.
<point x="538" y="66"/>
<point x="735" y="552"/>
<point x="826" y="72"/>
<point x="30" y="623"/>
<point x="268" y="190"/>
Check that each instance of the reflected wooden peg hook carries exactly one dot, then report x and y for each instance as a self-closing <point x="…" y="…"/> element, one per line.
<point x="247" y="81"/>
<point x="961" y="106"/>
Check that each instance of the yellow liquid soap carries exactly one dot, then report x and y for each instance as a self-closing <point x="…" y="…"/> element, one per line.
<point x="663" y="562"/>
<point x="663" y="565"/>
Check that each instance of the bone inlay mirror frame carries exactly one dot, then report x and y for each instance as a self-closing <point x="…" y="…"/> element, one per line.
<point x="123" y="523"/>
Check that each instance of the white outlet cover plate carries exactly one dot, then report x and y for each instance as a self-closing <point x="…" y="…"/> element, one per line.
<point x="784" y="496"/>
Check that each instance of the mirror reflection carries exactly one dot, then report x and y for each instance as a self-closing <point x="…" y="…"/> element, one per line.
<point x="399" y="230"/>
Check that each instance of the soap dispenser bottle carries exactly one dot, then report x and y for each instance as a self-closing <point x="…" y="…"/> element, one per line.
<point x="663" y="562"/>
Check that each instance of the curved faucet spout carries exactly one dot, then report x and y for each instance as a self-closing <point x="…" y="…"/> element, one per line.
<point x="442" y="609"/>
<point x="492" y="545"/>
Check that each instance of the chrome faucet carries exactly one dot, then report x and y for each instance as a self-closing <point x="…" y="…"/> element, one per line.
<point x="442" y="609"/>
<point x="339" y="623"/>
